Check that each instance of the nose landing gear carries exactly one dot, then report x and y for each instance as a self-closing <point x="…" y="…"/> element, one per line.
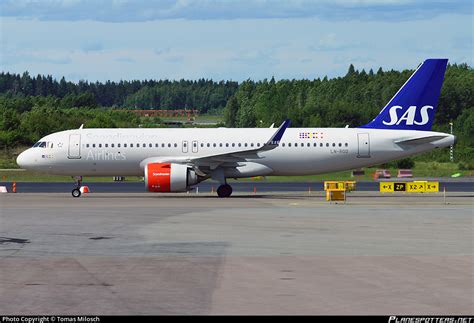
<point x="76" y="192"/>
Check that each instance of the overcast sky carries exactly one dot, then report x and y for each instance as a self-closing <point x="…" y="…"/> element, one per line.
<point x="223" y="40"/>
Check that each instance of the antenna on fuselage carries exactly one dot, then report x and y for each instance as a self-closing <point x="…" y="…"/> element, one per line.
<point x="82" y="125"/>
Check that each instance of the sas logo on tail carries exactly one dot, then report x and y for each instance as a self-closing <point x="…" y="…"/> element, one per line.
<point x="409" y="116"/>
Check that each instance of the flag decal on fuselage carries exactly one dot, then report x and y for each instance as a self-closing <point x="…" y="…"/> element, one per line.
<point x="311" y="135"/>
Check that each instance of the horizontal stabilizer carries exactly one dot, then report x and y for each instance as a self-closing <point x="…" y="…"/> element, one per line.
<point x="419" y="141"/>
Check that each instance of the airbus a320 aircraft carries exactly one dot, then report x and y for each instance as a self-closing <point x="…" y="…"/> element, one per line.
<point x="174" y="160"/>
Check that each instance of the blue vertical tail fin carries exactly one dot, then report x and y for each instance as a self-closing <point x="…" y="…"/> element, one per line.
<point x="413" y="107"/>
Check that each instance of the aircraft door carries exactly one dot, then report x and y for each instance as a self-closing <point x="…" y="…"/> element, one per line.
<point x="185" y="147"/>
<point x="195" y="146"/>
<point x="364" y="145"/>
<point x="74" y="151"/>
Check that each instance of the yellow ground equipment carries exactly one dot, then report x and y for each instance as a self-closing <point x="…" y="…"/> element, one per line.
<point x="348" y="185"/>
<point x="336" y="194"/>
<point x="336" y="190"/>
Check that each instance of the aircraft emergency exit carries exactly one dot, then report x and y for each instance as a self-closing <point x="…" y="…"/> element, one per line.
<point x="174" y="160"/>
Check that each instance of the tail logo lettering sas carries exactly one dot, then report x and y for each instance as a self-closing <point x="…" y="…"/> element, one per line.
<point x="409" y="117"/>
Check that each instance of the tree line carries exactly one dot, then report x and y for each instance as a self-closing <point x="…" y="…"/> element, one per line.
<point x="31" y="107"/>
<point x="203" y="95"/>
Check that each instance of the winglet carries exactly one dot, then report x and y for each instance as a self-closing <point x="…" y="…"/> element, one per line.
<point x="275" y="139"/>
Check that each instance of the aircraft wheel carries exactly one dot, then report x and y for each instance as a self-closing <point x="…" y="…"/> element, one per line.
<point x="76" y="192"/>
<point x="224" y="190"/>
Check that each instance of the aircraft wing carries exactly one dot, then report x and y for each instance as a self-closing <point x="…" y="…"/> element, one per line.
<point x="230" y="158"/>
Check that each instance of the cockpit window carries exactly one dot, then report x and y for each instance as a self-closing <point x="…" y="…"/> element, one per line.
<point x="43" y="144"/>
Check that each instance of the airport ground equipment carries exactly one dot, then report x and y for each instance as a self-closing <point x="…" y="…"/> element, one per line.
<point x="336" y="194"/>
<point x="347" y="185"/>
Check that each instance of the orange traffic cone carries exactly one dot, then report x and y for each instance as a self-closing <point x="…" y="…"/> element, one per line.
<point x="84" y="189"/>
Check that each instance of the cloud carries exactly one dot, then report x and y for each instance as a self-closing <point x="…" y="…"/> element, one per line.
<point x="331" y="42"/>
<point x="149" y="10"/>
<point x="228" y="49"/>
<point x="93" y="46"/>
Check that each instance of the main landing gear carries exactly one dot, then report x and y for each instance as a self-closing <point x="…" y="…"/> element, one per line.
<point x="76" y="192"/>
<point x="224" y="190"/>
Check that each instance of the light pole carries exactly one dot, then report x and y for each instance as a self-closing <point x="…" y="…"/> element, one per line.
<point x="451" y="148"/>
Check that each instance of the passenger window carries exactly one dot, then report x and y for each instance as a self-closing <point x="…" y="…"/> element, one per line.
<point x="340" y="145"/>
<point x="138" y="145"/>
<point x="106" y="145"/>
<point x="333" y="144"/>
<point x="150" y="145"/>
<point x="327" y="144"/>
<point x="208" y="145"/>
<point x="227" y="144"/>
<point x="346" y="144"/>
<point x="321" y="144"/>
<point x="118" y="145"/>
<point x="239" y="144"/>
<point x="157" y="145"/>
<point x="93" y="145"/>
<point x="245" y="144"/>
<point x="220" y="145"/>
<point x="100" y="145"/>
<point x="125" y="145"/>
<point x="202" y="145"/>
<point x="308" y="144"/>
<point x="169" y="145"/>
<point x="143" y="145"/>
<point x="233" y="145"/>
<point x="131" y="145"/>
<point x="87" y="145"/>
<point x="214" y="145"/>
<point x="251" y="144"/>
<point x="112" y="145"/>
<point x="315" y="145"/>
<point x="296" y="144"/>
<point x="283" y="144"/>
<point x="175" y="145"/>
<point x="258" y="144"/>
<point x="162" y="145"/>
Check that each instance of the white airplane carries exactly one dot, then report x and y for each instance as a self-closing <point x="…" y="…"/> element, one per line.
<point x="173" y="160"/>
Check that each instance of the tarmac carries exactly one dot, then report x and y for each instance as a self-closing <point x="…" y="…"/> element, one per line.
<point x="275" y="253"/>
<point x="448" y="184"/>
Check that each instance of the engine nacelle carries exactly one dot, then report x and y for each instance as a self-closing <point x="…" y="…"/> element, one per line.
<point x="169" y="177"/>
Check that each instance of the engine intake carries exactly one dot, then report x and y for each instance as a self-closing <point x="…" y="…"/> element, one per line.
<point x="169" y="177"/>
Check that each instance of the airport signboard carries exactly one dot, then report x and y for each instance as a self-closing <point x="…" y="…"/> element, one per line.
<point x="409" y="187"/>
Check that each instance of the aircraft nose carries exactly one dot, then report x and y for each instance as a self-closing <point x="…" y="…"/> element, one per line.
<point x="22" y="160"/>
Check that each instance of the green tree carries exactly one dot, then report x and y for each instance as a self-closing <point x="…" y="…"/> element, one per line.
<point x="231" y="110"/>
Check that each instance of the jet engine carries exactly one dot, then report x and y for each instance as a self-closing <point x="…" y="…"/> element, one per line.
<point x="169" y="177"/>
